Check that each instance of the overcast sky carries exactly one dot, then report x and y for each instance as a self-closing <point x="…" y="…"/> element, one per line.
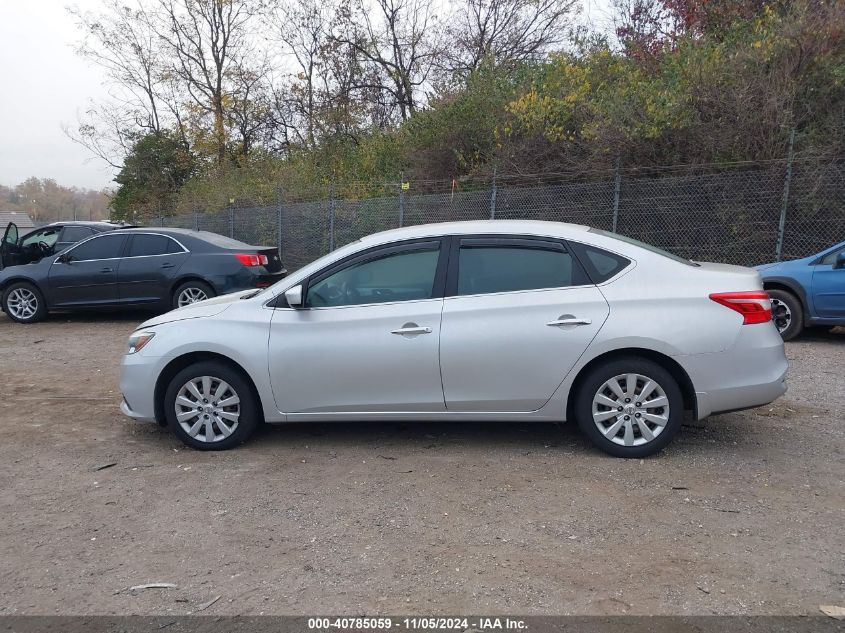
<point x="45" y="85"/>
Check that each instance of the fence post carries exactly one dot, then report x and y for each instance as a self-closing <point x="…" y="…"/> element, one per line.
<point x="161" y="221"/>
<point x="331" y="216"/>
<point x="279" y="197"/>
<point x="785" y="203"/>
<point x="196" y="221"/>
<point x="493" y="197"/>
<point x="232" y="222"/>
<point x="401" y="199"/>
<point x="617" y="182"/>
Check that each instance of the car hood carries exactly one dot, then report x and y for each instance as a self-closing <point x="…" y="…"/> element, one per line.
<point x="199" y="310"/>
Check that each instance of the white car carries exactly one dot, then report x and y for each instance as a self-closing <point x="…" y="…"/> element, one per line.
<point x="489" y="320"/>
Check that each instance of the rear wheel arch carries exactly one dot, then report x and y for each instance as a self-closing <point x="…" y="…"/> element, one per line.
<point x="186" y="360"/>
<point x="666" y="362"/>
<point x="174" y="285"/>
<point x="793" y="289"/>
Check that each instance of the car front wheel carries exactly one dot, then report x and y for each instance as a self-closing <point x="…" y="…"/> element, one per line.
<point x="629" y="407"/>
<point x="210" y="406"/>
<point x="24" y="303"/>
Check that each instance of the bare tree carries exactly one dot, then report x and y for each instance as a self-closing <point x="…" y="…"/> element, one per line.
<point x="302" y="26"/>
<point x="505" y="31"/>
<point x="400" y="39"/>
<point x="207" y="40"/>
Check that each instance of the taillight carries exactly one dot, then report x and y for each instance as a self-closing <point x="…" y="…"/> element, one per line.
<point x="754" y="306"/>
<point x="248" y="259"/>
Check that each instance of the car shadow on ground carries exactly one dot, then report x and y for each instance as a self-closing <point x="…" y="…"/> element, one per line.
<point x="816" y="334"/>
<point x="703" y="438"/>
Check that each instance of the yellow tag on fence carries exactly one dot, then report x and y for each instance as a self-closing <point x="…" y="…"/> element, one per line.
<point x="406" y="186"/>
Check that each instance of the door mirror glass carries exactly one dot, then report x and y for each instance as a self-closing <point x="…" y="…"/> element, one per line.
<point x="294" y="296"/>
<point x="64" y="258"/>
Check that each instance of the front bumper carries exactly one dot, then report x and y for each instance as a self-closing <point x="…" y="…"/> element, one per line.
<point x="137" y="384"/>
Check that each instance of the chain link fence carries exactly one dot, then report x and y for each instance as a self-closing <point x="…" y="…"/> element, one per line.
<point x="744" y="214"/>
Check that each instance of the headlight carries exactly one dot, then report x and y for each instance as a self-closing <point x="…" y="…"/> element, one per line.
<point x="139" y="340"/>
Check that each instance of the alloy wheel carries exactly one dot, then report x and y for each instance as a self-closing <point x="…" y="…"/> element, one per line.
<point x="191" y="295"/>
<point x="208" y="409"/>
<point x="22" y="303"/>
<point x="781" y="315"/>
<point x="630" y="409"/>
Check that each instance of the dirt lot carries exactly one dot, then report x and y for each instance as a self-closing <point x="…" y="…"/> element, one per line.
<point x="744" y="513"/>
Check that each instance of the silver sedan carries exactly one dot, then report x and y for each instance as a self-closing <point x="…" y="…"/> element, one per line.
<point x="490" y="320"/>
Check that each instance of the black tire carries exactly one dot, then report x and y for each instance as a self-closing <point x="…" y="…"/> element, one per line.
<point x="191" y="285"/>
<point x="13" y="294"/>
<point x="787" y="313"/>
<point x="598" y="376"/>
<point x="247" y="408"/>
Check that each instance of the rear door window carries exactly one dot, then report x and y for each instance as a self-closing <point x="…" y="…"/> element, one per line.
<point x="507" y="265"/>
<point x="146" y="245"/>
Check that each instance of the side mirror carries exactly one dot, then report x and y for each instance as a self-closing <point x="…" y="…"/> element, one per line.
<point x="840" y="261"/>
<point x="294" y="296"/>
<point x="65" y="258"/>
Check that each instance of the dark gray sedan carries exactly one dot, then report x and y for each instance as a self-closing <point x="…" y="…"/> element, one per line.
<point x="156" y="269"/>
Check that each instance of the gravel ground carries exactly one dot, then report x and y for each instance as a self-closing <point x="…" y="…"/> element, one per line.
<point x="743" y="514"/>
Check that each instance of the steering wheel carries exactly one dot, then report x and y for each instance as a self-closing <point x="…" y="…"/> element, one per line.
<point x="45" y="247"/>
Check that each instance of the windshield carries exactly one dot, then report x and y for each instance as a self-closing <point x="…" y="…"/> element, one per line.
<point x="648" y="247"/>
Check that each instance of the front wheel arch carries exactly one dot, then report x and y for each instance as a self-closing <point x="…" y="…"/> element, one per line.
<point x="669" y="364"/>
<point x="186" y="360"/>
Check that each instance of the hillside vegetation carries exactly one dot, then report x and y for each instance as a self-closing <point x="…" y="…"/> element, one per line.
<point x="390" y="88"/>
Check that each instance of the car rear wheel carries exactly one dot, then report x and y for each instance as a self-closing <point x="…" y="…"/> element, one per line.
<point x="787" y="314"/>
<point x="24" y="303"/>
<point x="210" y="406"/>
<point x="192" y="292"/>
<point x="629" y="407"/>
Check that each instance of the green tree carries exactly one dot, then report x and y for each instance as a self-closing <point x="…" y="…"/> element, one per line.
<point x="153" y="172"/>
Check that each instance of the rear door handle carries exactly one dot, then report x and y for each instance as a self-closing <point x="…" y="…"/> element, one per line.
<point x="167" y="265"/>
<point x="410" y="329"/>
<point x="107" y="270"/>
<point x="569" y="321"/>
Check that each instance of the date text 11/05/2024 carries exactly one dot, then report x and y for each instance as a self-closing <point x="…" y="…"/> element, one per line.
<point x="416" y="624"/>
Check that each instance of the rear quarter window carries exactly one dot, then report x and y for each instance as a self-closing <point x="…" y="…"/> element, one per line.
<point x="601" y="265"/>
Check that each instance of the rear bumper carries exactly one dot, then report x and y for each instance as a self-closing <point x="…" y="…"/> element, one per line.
<point x="749" y="374"/>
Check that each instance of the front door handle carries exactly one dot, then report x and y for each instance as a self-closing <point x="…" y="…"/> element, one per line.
<point x="167" y="265"/>
<point x="411" y="329"/>
<point x="569" y="320"/>
<point x="107" y="270"/>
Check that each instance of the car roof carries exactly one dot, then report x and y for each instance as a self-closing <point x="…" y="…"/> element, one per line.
<point x="491" y="227"/>
<point x="92" y="223"/>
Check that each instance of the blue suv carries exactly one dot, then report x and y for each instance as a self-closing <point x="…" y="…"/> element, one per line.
<point x="807" y="292"/>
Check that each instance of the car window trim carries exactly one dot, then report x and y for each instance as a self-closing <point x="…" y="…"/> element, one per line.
<point x="376" y="252"/>
<point x="537" y="242"/>
<point x="380" y="252"/>
<point x="836" y="249"/>
<point x="132" y="237"/>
